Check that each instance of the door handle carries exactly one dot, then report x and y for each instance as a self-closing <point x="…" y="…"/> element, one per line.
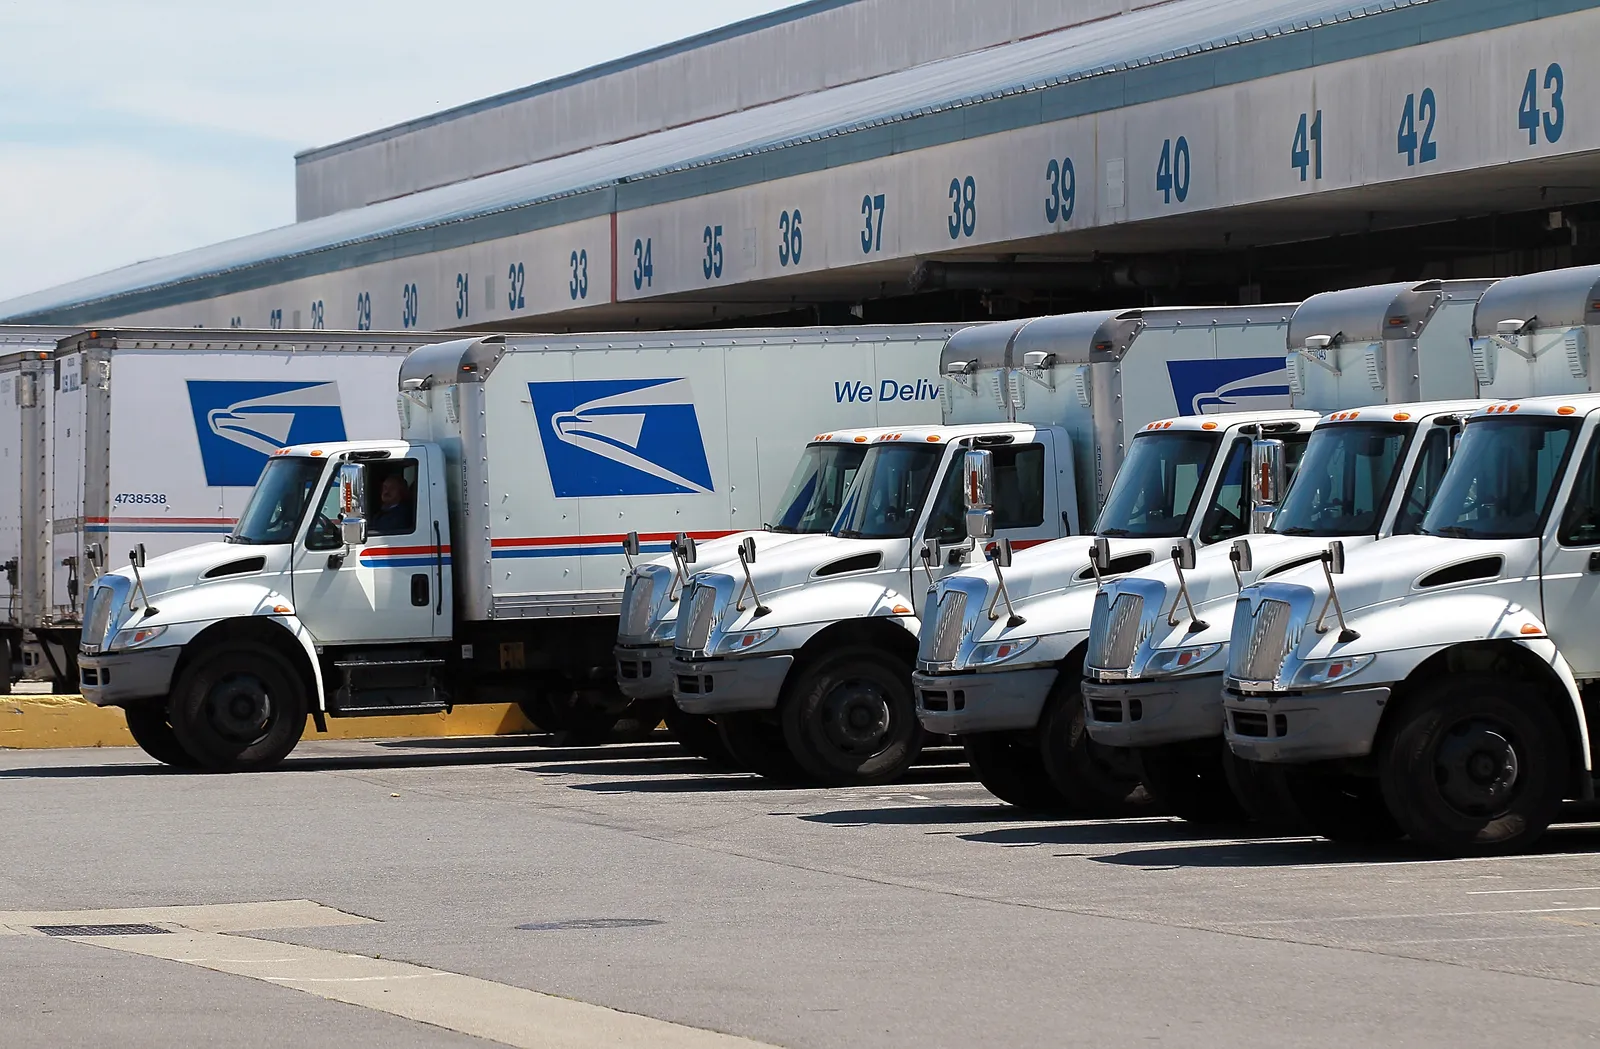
<point x="1594" y="562"/>
<point x="419" y="590"/>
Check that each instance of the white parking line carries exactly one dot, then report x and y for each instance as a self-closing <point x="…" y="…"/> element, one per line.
<point x="1508" y="892"/>
<point x="1393" y="917"/>
<point x="513" y="1016"/>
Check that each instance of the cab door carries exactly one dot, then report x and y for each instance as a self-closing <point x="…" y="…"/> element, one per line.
<point x="1571" y="584"/>
<point x="1025" y="496"/>
<point x="394" y="586"/>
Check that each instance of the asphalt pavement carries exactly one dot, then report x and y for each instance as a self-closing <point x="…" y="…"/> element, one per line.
<point x="481" y="892"/>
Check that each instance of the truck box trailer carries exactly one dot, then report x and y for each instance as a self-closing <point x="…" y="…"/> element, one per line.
<point x="804" y="656"/>
<point x="157" y="437"/>
<point x="26" y="395"/>
<point x="1439" y="685"/>
<point x="479" y="557"/>
<point x="1153" y="677"/>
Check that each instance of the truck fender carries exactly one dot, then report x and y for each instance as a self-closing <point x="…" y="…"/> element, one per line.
<point x="303" y="637"/>
<point x="1547" y="652"/>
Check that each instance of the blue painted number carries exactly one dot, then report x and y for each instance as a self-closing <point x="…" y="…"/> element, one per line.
<point x="711" y="265"/>
<point x="872" y="234"/>
<point x="516" y="279"/>
<point x="644" y="270"/>
<point x="463" y="299"/>
<point x="317" y="314"/>
<point x="1062" y="178"/>
<point x="963" y="207"/>
<point x="790" y="241"/>
<point x="578" y="286"/>
<point x="1554" y="121"/>
<point x="1172" y="170"/>
<point x="1419" y="109"/>
<point x="409" y="306"/>
<point x="364" y="311"/>
<point x="1307" y="143"/>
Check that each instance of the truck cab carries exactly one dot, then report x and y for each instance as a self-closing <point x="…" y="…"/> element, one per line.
<point x="1437" y="685"/>
<point x="1002" y="646"/>
<point x="331" y="596"/>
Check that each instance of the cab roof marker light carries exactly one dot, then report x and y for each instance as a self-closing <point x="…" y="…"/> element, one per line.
<point x="1401" y="417"/>
<point x="1566" y="409"/>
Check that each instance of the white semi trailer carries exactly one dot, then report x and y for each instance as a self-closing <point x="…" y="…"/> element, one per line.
<point x="1153" y="671"/>
<point x="157" y="436"/>
<point x="803" y="654"/>
<point x="1437" y="685"/>
<point x="27" y="391"/>
<point x="479" y="557"/>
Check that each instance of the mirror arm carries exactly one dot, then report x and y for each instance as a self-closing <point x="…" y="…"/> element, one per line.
<point x="1346" y="635"/>
<point x="1013" y="620"/>
<point x="1195" y="622"/>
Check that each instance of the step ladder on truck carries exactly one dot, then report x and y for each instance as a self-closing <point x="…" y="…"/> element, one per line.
<point x="477" y="558"/>
<point x="804" y="655"/>
<point x="1439" y="685"/>
<point x="1158" y="638"/>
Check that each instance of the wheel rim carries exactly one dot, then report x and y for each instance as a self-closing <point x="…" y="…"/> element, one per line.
<point x="856" y="717"/>
<point x="239" y="707"/>
<point x="1477" y="768"/>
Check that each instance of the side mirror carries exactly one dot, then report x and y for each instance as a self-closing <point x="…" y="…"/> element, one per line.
<point x="352" y="503"/>
<point x="1241" y="557"/>
<point x="683" y="546"/>
<point x="931" y="552"/>
<point x="747" y="550"/>
<point x="1335" y="557"/>
<point x="1002" y="553"/>
<point x="136" y="556"/>
<point x="1183" y="554"/>
<point x="630" y="544"/>
<point x="978" y="476"/>
<point x="1267" y="472"/>
<point x="1100" y="555"/>
<point x="980" y="523"/>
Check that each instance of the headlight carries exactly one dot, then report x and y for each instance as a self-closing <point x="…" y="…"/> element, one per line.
<point x="744" y="641"/>
<point x="1179" y="660"/>
<point x="135" y="636"/>
<point x="1320" y="672"/>
<point x="1000" y="651"/>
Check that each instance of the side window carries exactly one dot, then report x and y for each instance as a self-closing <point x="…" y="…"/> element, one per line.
<point x="392" y="497"/>
<point x="1580" y="521"/>
<point x="1424" y="482"/>
<point x="323" y="533"/>
<point x="1228" y="517"/>
<point x="1018" y="494"/>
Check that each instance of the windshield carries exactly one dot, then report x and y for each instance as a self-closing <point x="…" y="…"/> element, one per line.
<point x="1158" y="486"/>
<point x="817" y="489"/>
<point x="278" y="502"/>
<point x="1502" y="480"/>
<point x="1344" y="481"/>
<point x="887" y="497"/>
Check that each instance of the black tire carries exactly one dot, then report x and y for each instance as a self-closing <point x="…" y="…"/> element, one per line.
<point x="699" y="735"/>
<point x="850" y="718"/>
<point x="1189" y="780"/>
<point x="755" y="742"/>
<point x="573" y="718"/>
<point x="1475" y="765"/>
<point x="1255" y="788"/>
<point x="1335" y="805"/>
<point x="1096" y="780"/>
<point x="147" y="723"/>
<point x="639" y="720"/>
<point x="240" y="707"/>
<point x="1012" y="771"/>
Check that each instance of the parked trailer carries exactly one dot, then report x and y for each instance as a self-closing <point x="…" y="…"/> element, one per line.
<point x="158" y="435"/>
<point x="1439" y="684"/>
<point x="804" y="654"/>
<point x="1153" y="670"/>
<point x="27" y="391"/>
<point x="477" y="559"/>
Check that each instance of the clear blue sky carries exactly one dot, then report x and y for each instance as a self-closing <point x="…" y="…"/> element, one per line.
<point x="131" y="129"/>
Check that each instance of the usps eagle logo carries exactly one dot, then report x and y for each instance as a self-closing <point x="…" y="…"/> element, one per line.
<point x="605" y="437"/>
<point x="241" y="423"/>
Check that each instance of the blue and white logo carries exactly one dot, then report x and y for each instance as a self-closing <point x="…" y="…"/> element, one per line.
<point x="1229" y="384"/>
<point x="621" y="437"/>
<point x="241" y="423"/>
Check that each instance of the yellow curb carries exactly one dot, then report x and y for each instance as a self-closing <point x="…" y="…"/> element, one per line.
<point x="42" y="722"/>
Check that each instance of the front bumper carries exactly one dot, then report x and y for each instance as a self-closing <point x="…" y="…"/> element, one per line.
<point x="1151" y="713"/>
<point x="115" y="679"/>
<point x="729" y="686"/>
<point x="996" y="701"/>
<point x="1306" y="726"/>
<point x="644" y="673"/>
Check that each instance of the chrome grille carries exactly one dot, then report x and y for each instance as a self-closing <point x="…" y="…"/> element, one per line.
<point x="695" y="630"/>
<point x="1266" y="636"/>
<point x="940" y="643"/>
<point x="1114" y="630"/>
<point x="636" y="601"/>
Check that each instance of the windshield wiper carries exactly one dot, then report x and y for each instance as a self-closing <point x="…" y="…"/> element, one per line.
<point x="1301" y="530"/>
<point x="1113" y="533"/>
<point x="1455" y="532"/>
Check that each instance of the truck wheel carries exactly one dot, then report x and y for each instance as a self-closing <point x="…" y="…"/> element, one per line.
<point x="1475" y="765"/>
<point x="238" y="708"/>
<point x="699" y="735"/>
<point x="1189" y="780"/>
<point x="850" y="719"/>
<point x="1013" y="772"/>
<point x="1095" y="779"/>
<point x="148" y="725"/>
<point x="756" y="745"/>
<point x="639" y="720"/>
<point x="1334" y="805"/>
<point x="1263" y="800"/>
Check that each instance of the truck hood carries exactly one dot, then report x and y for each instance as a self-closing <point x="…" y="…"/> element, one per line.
<point x="655" y="624"/>
<point x="815" y="558"/>
<point x="189" y="567"/>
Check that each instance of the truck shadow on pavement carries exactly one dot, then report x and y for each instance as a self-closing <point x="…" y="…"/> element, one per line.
<point x="693" y="775"/>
